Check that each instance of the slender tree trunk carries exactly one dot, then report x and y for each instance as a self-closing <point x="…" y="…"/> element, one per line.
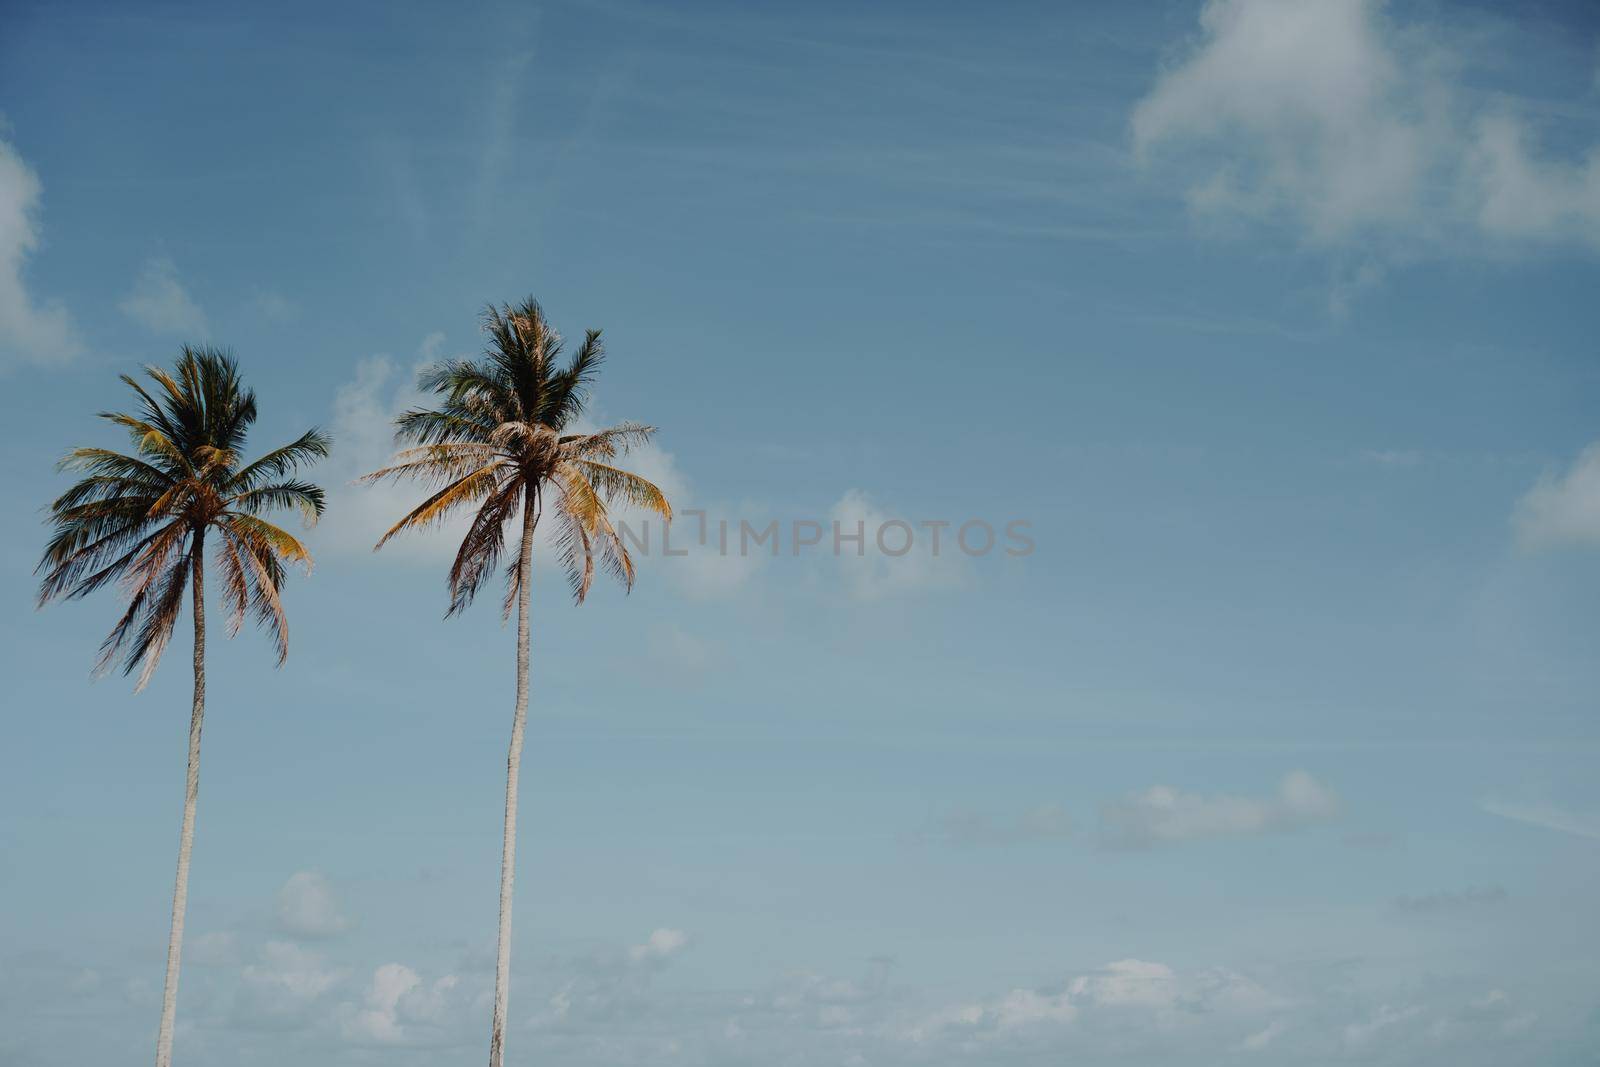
<point x="191" y="793"/>
<point x="508" y="845"/>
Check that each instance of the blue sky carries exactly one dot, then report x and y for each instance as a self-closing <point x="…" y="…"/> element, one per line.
<point x="1268" y="318"/>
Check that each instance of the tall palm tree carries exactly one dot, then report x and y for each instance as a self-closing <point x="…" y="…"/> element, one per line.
<point x="497" y="443"/>
<point x="142" y="519"/>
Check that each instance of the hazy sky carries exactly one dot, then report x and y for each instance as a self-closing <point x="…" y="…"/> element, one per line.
<point x="1274" y="321"/>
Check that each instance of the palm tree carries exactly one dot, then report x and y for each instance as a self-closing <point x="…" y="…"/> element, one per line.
<point x="498" y="443"/>
<point x="142" y="519"/>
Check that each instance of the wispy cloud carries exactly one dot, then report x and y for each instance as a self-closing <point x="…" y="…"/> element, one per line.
<point x="1392" y="457"/>
<point x="887" y="555"/>
<point x="307" y="907"/>
<point x="1549" y="816"/>
<point x="1363" y="1032"/>
<point x="160" y="302"/>
<point x="364" y="409"/>
<point x="663" y="943"/>
<point x="504" y="105"/>
<point x="273" y="306"/>
<point x="608" y="1003"/>
<point x="1163" y="815"/>
<point x="399" y="1009"/>
<point x="30" y="331"/>
<point x="400" y="190"/>
<point x="1564" y="508"/>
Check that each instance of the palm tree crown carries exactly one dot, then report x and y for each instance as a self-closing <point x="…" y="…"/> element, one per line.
<point x="142" y="518"/>
<point x="497" y="442"/>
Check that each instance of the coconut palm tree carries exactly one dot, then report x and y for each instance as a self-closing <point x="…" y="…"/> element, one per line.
<point x="501" y="443"/>
<point x="142" y="519"/>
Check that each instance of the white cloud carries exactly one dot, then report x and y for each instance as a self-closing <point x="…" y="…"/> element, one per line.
<point x="1310" y="96"/>
<point x="1392" y="457"/>
<point x="700" y="554"/>
<point x="1496" y="1010"/>
<point x="298" y="971"/>
<point x="1563" y="509"/>
<point x="1362" y="1032"/>
<point x="1347" y="284"/>
<point x="1028" y="1007"/>
<point x="379" y="1019"/>
<point x="283" y="987"/>
<point x="30" y="332"/>
<point x="398" y="1008"/>
<point x="894" y="555"/>
<point x="611" y="1004"/>
<point x="661" y="944"/>
<point x="217" y="948"/>
<point x="1352" y="125"/>
<point x="306" y="907"/>
<point x="162" y="305"/>
<point x="858" y="547"/>
<point x="1128" y="983"/>
<point x="606" y="986"/>
<point x="1524" y="196"/>
<point x="273" y="306"/>
<point x="704" y="570"/>
<point x="1165" y="815"/>
<point x="364" y="410"/>
<point x="1128" y="997"/>
<point x="362" y="426"/>
<point x="1262" y="1038"/>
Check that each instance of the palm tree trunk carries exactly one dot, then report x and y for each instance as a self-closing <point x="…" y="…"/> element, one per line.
<point x="508" y="844"/>
<point x="191" y="793"/>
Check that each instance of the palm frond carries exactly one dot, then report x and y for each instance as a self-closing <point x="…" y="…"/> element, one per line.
<point x="425" y="426"/>
<point x="100" y="488"/>
<point x="625" y="486"/>
<point x="435" y="463"/>
<point x="587" y="531"/>
<point x="152" y="440"/>
<point x="98" y="562"/>
<point x="160" y="619"/>
<point x="303" y="450"/>
<point x="155" y="580"/>
<point x="260" y="553"/>
<point x="273" y="541"/>
<point x="235" y="583"/>
<point x="465" y="490"/>
<point x="575" y="553"/>
<point x="104" y="463"/>
<point x="308" y="499"/>
<point x="567" y="392"/>
<point x="608" y="443"/>
<point x="152" y="431"/>
<point x="522" y="347"/>
<point x="480" y="549"/>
